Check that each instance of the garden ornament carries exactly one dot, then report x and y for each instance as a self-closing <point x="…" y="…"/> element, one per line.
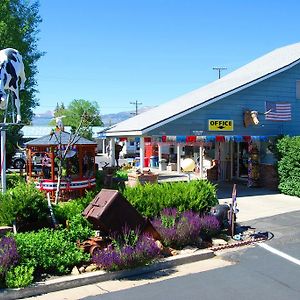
<point x="59" y="123"/>
<point x="250" y="118"/>
<point x="11" y="71"/>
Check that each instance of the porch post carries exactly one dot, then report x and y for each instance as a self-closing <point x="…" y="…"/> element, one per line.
<point x="103" y="146"/>
<point x="112" y="152"/>
<point x="178" y="158"/>
<point x="142" y="153"/>
<point x="159" y="157"/>
<point x="201" y="152"/>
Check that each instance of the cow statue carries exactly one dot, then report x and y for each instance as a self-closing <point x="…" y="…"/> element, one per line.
<point x="11" y="72"/>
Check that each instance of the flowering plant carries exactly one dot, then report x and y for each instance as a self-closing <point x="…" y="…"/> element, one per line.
<point x="9" y="255"/>
<point x="127" y="251"/>
<point x="177" y="230"/>
<point x="210" y="226"/>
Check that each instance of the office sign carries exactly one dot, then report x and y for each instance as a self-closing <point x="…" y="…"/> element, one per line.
<point x="220" y="125"/>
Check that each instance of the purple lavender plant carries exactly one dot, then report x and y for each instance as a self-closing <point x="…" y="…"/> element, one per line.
<point x="9" y="255"/>
<point x="184" y="230"/>
<point x="188" y="228"/>
<point x="210" y="226"/>
<point x="127" y="256"/>
<point x="107" y="259"/>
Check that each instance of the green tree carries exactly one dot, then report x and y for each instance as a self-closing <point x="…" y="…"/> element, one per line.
<point x="19" y="21"/>
<point x="82" y="112"/>
<point x="59" y="110"/>
<point x="19" y="27"/>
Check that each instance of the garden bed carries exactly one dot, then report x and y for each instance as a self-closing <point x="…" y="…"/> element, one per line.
<point x="72" y="281"/>
<point x="31" y="255"/>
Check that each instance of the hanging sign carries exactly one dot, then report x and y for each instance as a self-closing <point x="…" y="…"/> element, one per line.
<point x="220" y="125"/>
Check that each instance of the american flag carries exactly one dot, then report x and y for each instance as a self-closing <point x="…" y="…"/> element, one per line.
<point x="278" y="111"/>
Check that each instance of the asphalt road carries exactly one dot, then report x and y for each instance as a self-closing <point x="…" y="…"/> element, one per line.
<point x="256" y="274"/>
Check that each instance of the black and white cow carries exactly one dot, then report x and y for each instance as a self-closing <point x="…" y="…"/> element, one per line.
<point x="11" y="71"/>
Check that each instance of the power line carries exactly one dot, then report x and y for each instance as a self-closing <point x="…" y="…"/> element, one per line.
<point x="136" y="103"/>
<point x="219" y="69"/>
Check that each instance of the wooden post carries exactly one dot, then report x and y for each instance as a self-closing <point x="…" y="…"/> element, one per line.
<point x="52" y="164"/>
<point x="232" y="211"/>
<point x="80" y="160"/>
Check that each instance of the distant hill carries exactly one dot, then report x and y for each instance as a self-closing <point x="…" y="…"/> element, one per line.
<point x="43" y="119"/>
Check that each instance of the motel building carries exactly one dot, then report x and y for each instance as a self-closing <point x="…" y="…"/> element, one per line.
<point x="234" y="121"/>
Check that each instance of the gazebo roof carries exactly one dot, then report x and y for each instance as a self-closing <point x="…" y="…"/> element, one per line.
<point x="50" y="140"/>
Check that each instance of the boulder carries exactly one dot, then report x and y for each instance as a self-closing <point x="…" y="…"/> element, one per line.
<point x="218" y="242"/>
<point x="75" y="271"/>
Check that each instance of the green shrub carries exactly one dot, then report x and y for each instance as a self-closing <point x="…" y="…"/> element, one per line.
<point x="24" y="204"/>
<point x="69" y="214"/>
<point x="51" y="251"/>
<point x="122" y="174"/>
<point x="289" y="165"/>
<point x="19" y="276"/>
<point x="79" y="229"/>
<point x="14" y="179"/>
<point x="151" y="199"/>
<point x="67" y="210"/>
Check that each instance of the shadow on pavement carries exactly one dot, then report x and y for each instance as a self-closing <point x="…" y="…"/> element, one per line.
<point x="224" y="190"/>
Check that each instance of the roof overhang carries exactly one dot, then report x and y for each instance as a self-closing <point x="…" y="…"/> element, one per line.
<point x="125" y="133"/>
<point x="144" y="131"/>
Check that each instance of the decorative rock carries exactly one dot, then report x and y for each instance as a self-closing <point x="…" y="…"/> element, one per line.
<point x="198" y="242"/>
<point x="174" y="252"/>
<point x="75" y="271"/>
<point x="218" y="242"/>
<point x="82" y="270"/>
<point x="159" y="245"/>
<point x="91" y="268"/>
<point x="5" y="229"/>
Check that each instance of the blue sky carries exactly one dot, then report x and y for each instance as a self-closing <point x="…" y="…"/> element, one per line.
<point x="119" y="51"/>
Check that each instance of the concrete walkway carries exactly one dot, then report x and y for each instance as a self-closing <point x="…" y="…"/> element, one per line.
<point x="255" y="203"/>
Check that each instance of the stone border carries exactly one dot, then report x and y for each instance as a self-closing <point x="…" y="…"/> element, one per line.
<point x="72" y="281"/>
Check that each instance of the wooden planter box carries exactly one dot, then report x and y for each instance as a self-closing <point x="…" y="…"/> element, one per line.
<point x="135" y="178"/>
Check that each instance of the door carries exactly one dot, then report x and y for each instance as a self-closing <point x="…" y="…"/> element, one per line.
<point x="240" y="160"/>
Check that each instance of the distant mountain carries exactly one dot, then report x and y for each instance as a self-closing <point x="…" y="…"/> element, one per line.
<point x="43" y="119"/>
<point x="111" y="119"/>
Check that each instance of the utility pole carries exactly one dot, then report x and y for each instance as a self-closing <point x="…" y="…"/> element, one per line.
<point x="136" y="103"/>
<point x="219" y="69"/>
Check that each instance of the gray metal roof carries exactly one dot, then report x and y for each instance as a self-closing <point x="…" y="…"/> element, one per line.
<point x="49" y="140"/>
<point x="260" y="69"/>
<point x="33" y="132"/>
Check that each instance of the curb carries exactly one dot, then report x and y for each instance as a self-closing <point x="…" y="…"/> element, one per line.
<point x="72" y="281"/>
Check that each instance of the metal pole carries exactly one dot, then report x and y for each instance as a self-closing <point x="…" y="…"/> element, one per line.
<point x="3" y="160"/>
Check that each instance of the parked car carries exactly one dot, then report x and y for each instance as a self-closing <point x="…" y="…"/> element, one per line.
<point x="19" y="160"/>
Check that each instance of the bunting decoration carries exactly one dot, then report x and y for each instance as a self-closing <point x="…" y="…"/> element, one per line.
<point x="194" y="139"/>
